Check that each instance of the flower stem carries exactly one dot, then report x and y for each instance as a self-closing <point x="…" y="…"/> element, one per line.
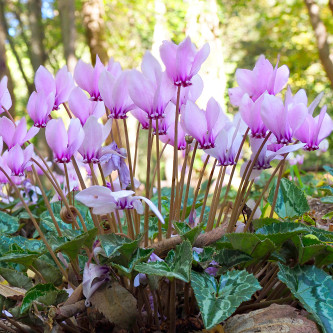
<point x="48" y="206"/>
<point x="146" y="221"/>
<point x="136" y="148"/>
<point x="189" y="181"/>
<point x="41" y="234"/>
<point x="158" y="167"/>
<point x="9" y="115"/>
<point x="180" y="188"/>
<point x="68" y="184"/>
<point x="175" y="167"/>
<point x="67" y="110"/>
<point x="207" y="191"/>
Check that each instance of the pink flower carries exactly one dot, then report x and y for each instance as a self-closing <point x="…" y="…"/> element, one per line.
<point x="104" y="201"/>
<point x="87" y="77"/>
<point x="94" y="136"/>
<point x="18" y="159"/>
<point x="183" y="61"/>
<point x="5" y="99"/>
<point x="114" y="91"/>
<point x="39" y="107"/>
<point x="314" y="129"/>
<point x="166" y="128"/>
<point x="16" y="135"/>
<point x="142" y="117"/>
<point x="151" y="90"/>
<point x="94" y="276"/>
<point x="82" y="107"/>
<point x="61" y="86"/>
<point x="204" y="126"/>
<point x="262" y="78"/>
<point x="227" y="144"/>
<point x="114" y="68"/>
<point x="250" y="113"/>
<point x="282" y="119"/>
<point x="64" y="144"/>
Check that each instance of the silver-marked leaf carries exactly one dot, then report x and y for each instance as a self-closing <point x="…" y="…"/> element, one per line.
<point x="314" y="288"/>
<point x="291" y="201"/>
<point x="216" y="301"/>
<point x="177" y="264"/>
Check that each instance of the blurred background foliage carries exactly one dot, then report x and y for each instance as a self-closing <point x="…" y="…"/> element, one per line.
<point x="53" y="33"/>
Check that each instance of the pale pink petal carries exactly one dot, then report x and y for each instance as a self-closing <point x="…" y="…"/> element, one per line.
<point x="56" y="137"/>
<point x="152" y="207"/>
<point x="151" y="68"/>
<point x="44" y="81"/>
<point x="199" y="59"/>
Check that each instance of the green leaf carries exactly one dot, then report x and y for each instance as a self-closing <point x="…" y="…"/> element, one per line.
<point x="206" y="256"/>
<point x="177" y="264"/>
<point x="328" y="169"/>
<point x="228" y="258"/>
<point x="326" y="188"/>
<point x="8" y="224"/>
<point x="186" y="232"/>
<point x="46" y="294"/>
<point x="15" y="278"/>
<point x="218" y="302"/>
<point x="280" y="232"/>
<point x="18" y="257"/>
<point x="328" y="216"/>
<point x="251" y="244"/>
<point x="314" y="288"/>
<point x="259" y="223"/>
<point x="50" y="273"/>
<point x="327" y="199"/>
<point x="139" y="256"/>
<point x="74" y="246"/>
<point x="291" y="201"/>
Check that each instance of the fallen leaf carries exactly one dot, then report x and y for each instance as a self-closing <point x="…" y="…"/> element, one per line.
<point x="11" y="292"/>
<point x="116" y="303"/>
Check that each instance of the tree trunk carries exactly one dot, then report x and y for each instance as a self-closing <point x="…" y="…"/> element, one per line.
<point x="5" y="28"/>
<point x="4" y="69"/>
<point x="68" y="32"/>
<point x="321" y="37"/>
<point x="38" y="55"/>
<point x="93" y="12"/>
<point x="330" y="5"/>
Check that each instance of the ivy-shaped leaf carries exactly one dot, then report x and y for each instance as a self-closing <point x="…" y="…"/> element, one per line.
<point x="51" y="274"/>
<point x="46" y="294"/>
<point x="15" y="278"/>
<point x="177" y="264"/>
<point x="280" y="232"/>
<point x="291" y="201"/>
<point x="228" y="258"/>
<point x="114" y="244"/>
<point x="259" y="223"/>
<point x="218" y="301"/>
<point x="8" y="224"/>
<point x="251" y="244"/>
<point x="314" y="288"/>
<point x="140" y="255"/>
<point x="186" y="232"/>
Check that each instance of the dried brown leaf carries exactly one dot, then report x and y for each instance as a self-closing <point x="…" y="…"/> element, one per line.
<point x="116" y="303"/>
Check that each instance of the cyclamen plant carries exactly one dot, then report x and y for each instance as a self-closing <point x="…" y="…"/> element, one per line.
<point x="115" y="241"/>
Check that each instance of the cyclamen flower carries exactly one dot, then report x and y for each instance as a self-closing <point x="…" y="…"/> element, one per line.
<point x="151" y="90"/>
<point x="142" y="117"/>
<point x="191" y="92"/>
<point x="18" y="159"/>
<point x="93" y="277"/>
<point x="204" y="126"/>
<point x="39" y="107"/>
<point x="5" y="99"/>
<point x="87" y="77"/>
<point x="183" y="61"/>
<point x="114" y="91"/>
<point x="61" y="86"/>
<point x="94" y="136"/>
<point x="64" y="144"/>
<point x="104" y="201"/>
<point x="113" y="67"/>
<point x="250" y="113"/>
<point x="227" y="144"/>
<point x="263" y="78"/>
<point x="16" y="135"/>
<point x="315" y="129"/>
<point x="82" y="107"/>
<point x="282" y="119"/>
<point x="111" y="162"/>
<point x="167" y="128"/>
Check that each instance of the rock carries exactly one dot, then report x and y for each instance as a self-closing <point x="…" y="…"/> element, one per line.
<point x="276" y="318"/>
